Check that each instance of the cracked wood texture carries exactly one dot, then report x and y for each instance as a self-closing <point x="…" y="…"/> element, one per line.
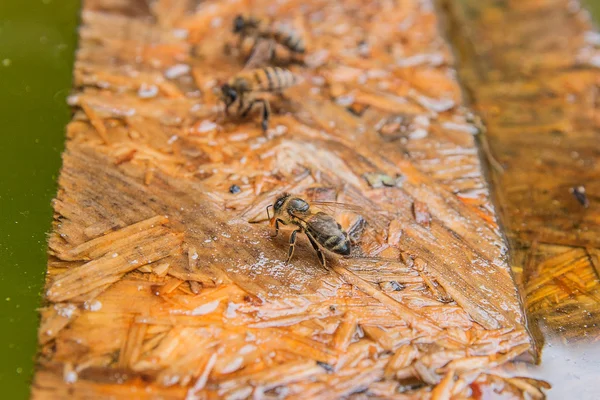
<point x="536" y="87"/>
<point x="163" y="283"/>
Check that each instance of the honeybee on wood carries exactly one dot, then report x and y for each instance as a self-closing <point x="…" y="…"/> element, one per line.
<point x="243" y="87"/>
<point x="322" y="230"/>
<point x="257" y="28"/>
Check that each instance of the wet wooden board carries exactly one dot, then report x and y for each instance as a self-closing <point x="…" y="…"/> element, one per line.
<point x="536" y="87"/>
<point x="164" y="282"/>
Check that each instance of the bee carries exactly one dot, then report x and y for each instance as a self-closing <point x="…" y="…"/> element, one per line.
<point x="256" y="28"/>
<point x="322" y="230"/>
<point x="243" y="87"/>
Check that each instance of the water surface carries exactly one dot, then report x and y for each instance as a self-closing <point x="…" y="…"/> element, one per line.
<point x="37" y="42"/>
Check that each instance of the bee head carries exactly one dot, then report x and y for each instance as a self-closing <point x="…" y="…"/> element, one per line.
<point x="238" y="24"/>
<point x="280" y="201"/>
<point x="228" y="93"/>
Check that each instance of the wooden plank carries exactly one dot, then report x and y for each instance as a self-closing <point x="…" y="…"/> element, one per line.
<point x="164" y="280"/>
<point x="535" y="86"/>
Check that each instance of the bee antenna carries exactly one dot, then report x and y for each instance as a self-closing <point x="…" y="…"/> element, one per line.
<point x="269" y="215"/>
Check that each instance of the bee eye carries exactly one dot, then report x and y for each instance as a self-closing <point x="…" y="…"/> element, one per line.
<point x="238" y="24"/>
<point x="278" y="204"/>
<point x="229" y="93"/>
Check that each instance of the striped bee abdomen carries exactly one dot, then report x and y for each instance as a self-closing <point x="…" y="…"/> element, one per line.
<point x="273" y="78"/>
<point x="283" y="34"/>
<point x="328" y="233"/>
<point x="290" y="39"/>
<point x="338" y="244"/>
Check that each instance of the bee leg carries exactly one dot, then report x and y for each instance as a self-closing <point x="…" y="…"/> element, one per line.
<point x="292" y="244"/>
<point x="277" y="221"/>
<point x="266" y="114"/>
<point x="317" y="249"/>
<point x="272" y="56"/>
<point x="241" y="39"/>
<point x="241" y="103"/>
<point x="248" y="109"/>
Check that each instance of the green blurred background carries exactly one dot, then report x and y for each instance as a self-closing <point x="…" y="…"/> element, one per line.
<point x="37" y="44"/>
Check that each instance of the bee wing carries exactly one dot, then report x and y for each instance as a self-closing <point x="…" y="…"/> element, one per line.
<point x="334" y="208"/>
<point x="261" y="55"/>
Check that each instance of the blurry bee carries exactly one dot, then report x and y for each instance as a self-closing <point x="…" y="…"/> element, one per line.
<point x="321" y="228"/>
<point x="257" y="29"/>
<point x="243" y="87"/>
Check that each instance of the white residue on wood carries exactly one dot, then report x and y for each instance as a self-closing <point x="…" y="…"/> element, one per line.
<point x="177" y="70"/>
<point x="206" y="308"/>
